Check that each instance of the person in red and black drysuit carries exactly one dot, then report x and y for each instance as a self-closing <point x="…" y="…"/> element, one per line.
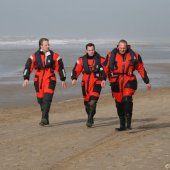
<point x="45" y="62"/>
<point x="93" y="79"/>
<point x="119" y="66"/>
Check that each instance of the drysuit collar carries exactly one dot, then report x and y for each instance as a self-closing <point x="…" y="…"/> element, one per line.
<point x="46" y="53"/>
<point x="91" y="56"/>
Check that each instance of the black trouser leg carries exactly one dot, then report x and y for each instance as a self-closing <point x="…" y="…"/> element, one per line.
<point x="40" y="101"/>
<point x="45" y="108"/>
<point x="92" y="110"/>
<point x="121" y="114"/>
<point x="47" y="104"/>
<point x="86" y="105"/>
<point x="128" y="107"/>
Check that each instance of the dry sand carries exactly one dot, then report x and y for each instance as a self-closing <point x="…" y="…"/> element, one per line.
<point x="68" y="145"/>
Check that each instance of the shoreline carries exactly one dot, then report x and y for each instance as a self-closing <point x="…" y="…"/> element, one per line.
<point x="14" y="95"/>
<point x="26" y="97"/>
<point x="78" y="97"/>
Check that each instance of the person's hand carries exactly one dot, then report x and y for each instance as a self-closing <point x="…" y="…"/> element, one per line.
<point x="25" y="83"/>
<point x="103" y="83"/>
<point x="64" y="85"/>
<point x="74" y="82"/>
<point x="148" y="86"/>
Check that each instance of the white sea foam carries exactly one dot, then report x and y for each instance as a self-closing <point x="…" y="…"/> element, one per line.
<point x="22" y="41"/>
<point x="12" y="73"/>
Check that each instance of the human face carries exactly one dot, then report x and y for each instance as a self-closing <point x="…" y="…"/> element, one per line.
<point x="122" y="47"/>
<point x="90" y="51"/>
<point x="45" y="46"/>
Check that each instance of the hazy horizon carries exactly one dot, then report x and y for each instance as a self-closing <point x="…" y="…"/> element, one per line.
<point x="75" y="19"/>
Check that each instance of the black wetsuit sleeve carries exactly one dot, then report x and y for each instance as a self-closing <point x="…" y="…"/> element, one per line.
<point x="74" y="73"/>
<point x="27" y="69"/>
<point x="61" y="70"/>
<point x="77" y="70"/>
<point x="146" y="78"/>
<point x="141" y="69"/>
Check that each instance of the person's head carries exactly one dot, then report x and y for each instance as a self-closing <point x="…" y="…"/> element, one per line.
<point x="44" y="44"/>
<point x="90" y="48"/>
<point x="122" y="46"/>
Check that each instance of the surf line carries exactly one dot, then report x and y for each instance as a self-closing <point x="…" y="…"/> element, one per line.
<point x="70" y="100"/>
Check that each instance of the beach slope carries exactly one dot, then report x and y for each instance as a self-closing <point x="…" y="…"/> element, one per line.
<point x="67" y="144"/>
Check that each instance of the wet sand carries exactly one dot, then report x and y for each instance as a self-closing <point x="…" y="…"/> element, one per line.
<point x="67" y="144"/>
<point x="14" y="95"/>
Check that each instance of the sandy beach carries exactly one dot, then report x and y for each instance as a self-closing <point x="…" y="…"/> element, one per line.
<point x="67" y="144"/>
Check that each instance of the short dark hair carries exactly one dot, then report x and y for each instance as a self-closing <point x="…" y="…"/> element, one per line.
<point x="41" y="41"/>
<point x="90" y="45"/>
<point x="123" y="41"/>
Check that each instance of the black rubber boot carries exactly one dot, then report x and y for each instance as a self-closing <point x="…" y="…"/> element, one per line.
<point x="44" y="119"/>
<point x="44" y="122"/>
<point x="87" y="108"/>
<point x="121" y="114"/>
<point x="128" y="107"/>
<point x="46" y="108"/>
<point x="122" y="124"/>
<point x="92" y="111"/>
<point x="129" y="120"/>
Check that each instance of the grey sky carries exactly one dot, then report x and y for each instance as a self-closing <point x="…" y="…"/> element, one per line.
<point x="134" y="19"/>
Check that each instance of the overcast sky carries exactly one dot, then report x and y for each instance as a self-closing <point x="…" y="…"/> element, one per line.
<point x="113" y="19"/>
